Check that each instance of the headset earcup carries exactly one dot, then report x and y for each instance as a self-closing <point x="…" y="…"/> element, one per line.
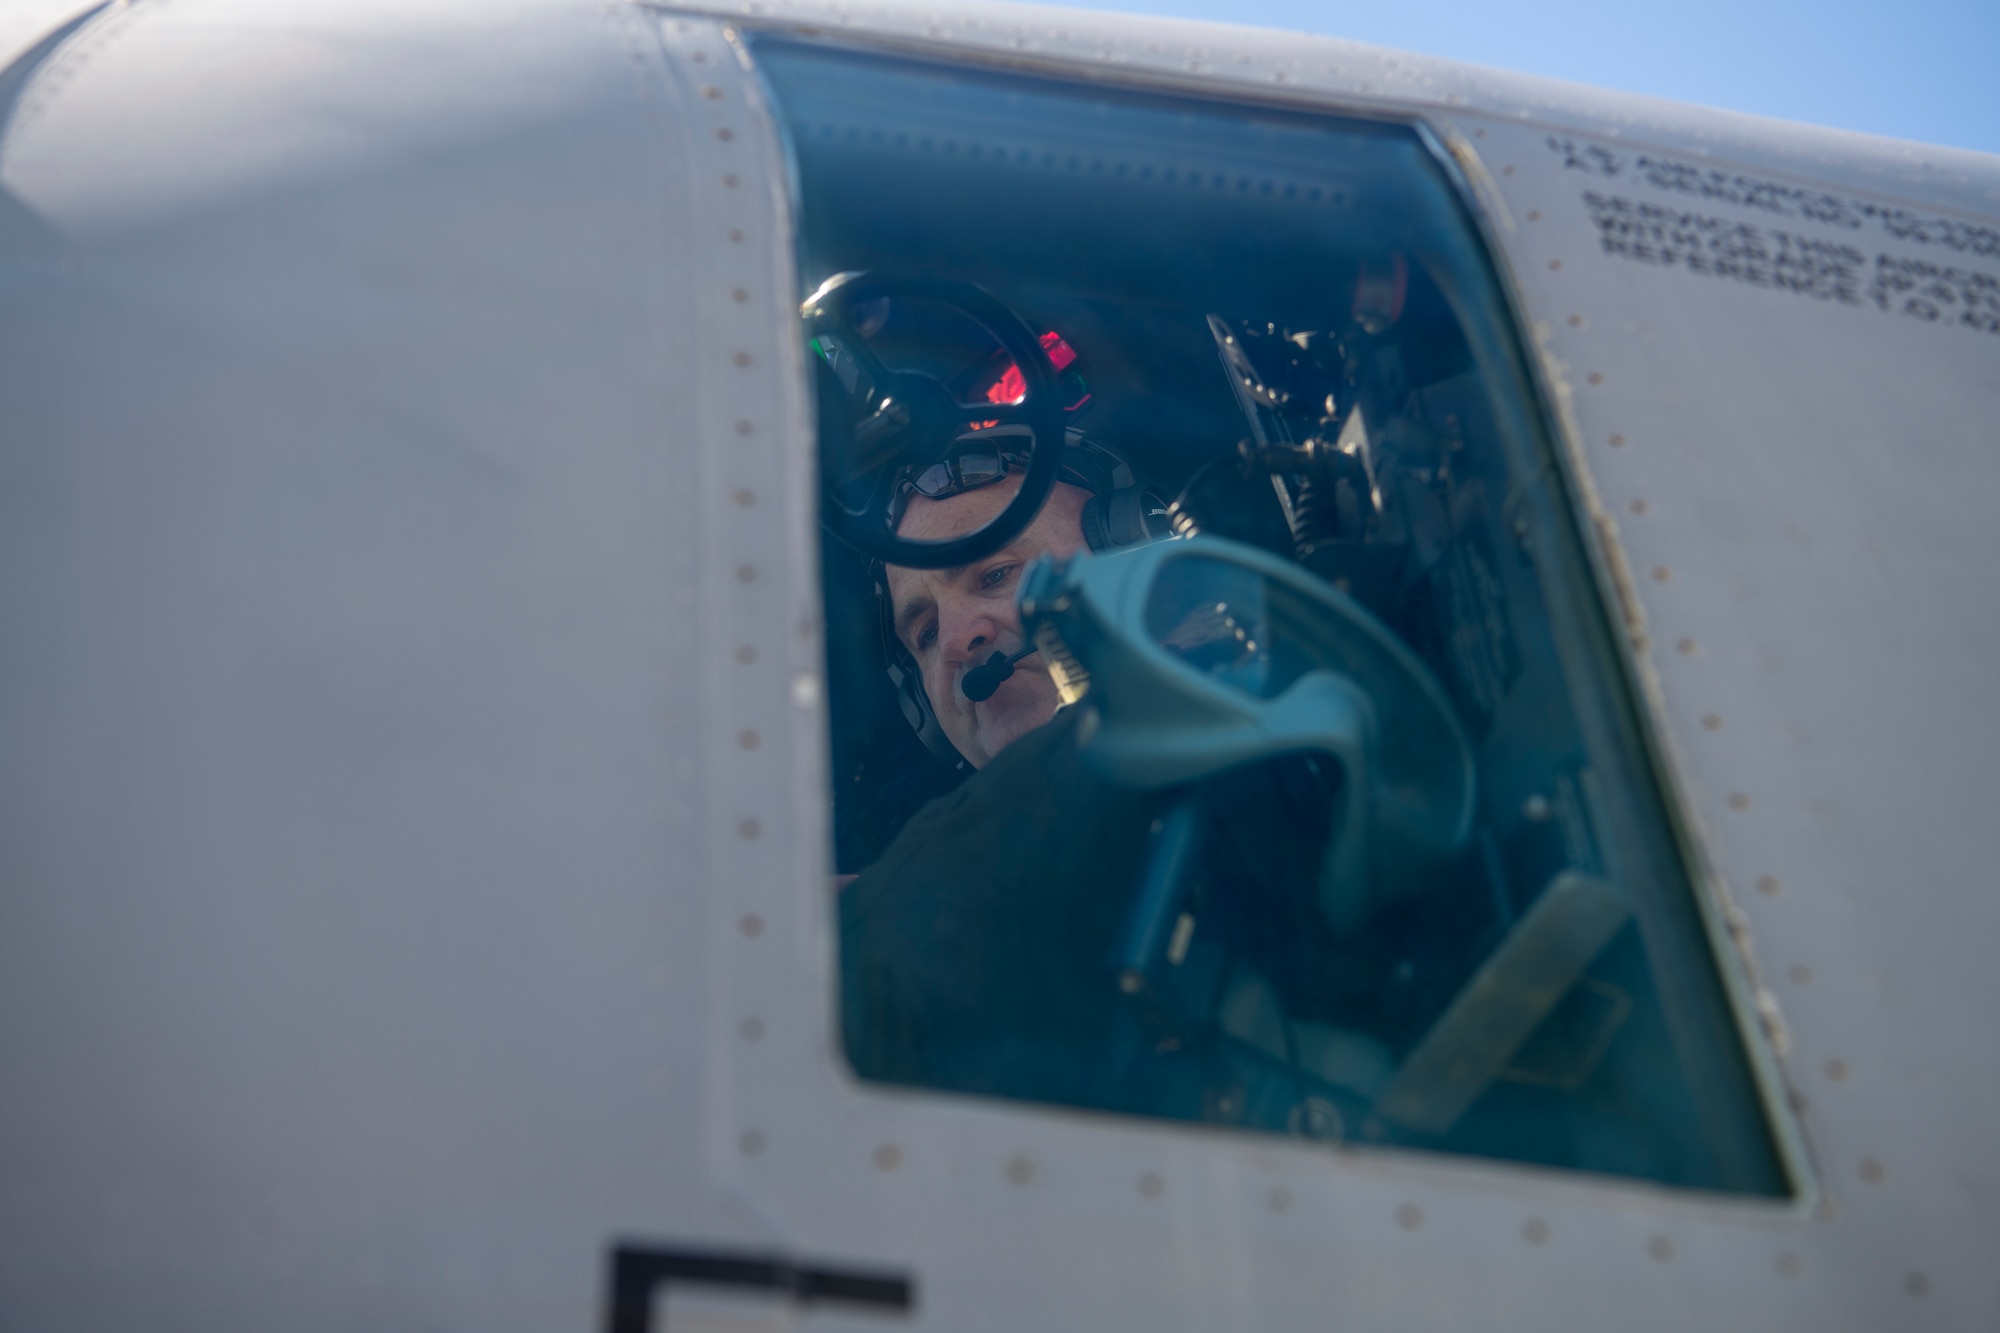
<point x="1126" y="517"/>
<point x="1096" y="531"/>
<point x="916" y="707"/>
<point x="917" y="711"/>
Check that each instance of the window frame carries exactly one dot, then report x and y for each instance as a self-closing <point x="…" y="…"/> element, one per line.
<point x="1620" y="714"/>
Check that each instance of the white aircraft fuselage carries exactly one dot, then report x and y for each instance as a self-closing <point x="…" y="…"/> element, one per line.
<point x="414" y="806"/>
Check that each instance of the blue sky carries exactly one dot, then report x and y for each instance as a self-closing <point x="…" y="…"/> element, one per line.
<point x="1914" y="69"/>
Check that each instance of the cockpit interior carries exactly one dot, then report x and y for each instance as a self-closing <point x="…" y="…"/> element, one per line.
<point x="1348" y="827"/>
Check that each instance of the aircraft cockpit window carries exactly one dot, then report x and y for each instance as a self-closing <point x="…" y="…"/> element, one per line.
<point x="1225" y="723"/>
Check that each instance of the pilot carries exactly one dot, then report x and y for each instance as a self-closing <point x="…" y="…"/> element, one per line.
<point x="946" y="623"/>
<point x="951" y="621"/>
<point x="999" y="990"/>
<point x="975" y="948"/>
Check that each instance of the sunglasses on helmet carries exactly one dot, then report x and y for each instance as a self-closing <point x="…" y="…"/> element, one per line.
<point x="968" y="470"/>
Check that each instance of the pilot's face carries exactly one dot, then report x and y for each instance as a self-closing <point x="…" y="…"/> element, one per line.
<point x="952" y="620"/>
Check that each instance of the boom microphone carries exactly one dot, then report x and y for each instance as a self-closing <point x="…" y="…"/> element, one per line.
<point x="979" y="683"/>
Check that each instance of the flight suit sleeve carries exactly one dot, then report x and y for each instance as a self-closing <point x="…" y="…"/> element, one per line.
<point x="973" y="953"/>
